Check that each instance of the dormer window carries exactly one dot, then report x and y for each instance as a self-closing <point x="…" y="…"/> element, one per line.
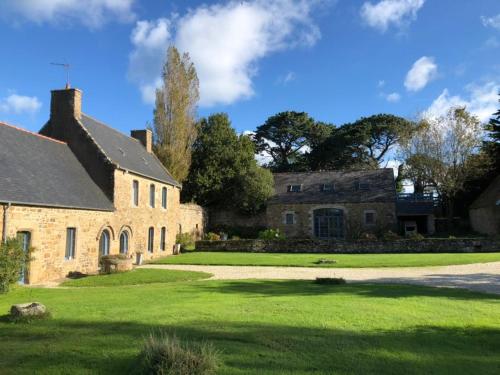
<point x="327" y="187"/>
<point x="294" y="188"/>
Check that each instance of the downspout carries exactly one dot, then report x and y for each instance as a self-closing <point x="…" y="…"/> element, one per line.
<point x="4" y="226"/>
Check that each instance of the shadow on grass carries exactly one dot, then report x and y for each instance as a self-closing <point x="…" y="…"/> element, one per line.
<point x="112" y="347"/>
<point x="274" y="288"/>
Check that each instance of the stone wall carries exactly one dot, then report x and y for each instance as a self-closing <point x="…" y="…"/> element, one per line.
<point x="193" y="219"/>
<point x="352" y="247"/>
<point x="353" y="214"/>
<point x="485" y="220"/>
<point x="230" y="218"/>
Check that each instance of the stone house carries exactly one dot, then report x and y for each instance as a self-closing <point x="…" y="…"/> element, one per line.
<point x="333" y="204"/>
<point x="80" y="189"/>
<point x="484" y="213"/>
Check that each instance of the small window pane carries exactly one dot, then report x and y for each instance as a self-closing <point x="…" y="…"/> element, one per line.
<point x="327" y="187"/>
<point x="135" y="192"/>
<point x="104" y="242"/>
<point x="70" y="243"/>
<point x="369" y="218"/>
<point x="162" y="238"/>
<point x="164" y="197"/>
<point x="294" y="188"/>
<point x="151" y="238"/>
<point x="152" y="196"/>
<point x="289" y="218"/>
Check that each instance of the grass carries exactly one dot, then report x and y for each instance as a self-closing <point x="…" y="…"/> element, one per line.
<point x="341" y="260"/>
<point x="136" y="277"/>
<point x="259" y="327"/>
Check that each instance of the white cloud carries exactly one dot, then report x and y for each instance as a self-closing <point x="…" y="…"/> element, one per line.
<point x="386" y="12"/>
<point x="491" y="21"/>
<point x="91" y="13"/>
<point x="381" y="83"/>
<point x="393" y="97"/>
<point x="226" y="42"/>
<point x="482" y="101"/>
<point x="19" y="104"/>
<point x="421" y="73"/>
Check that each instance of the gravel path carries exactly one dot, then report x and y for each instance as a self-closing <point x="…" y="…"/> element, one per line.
<point x="482" y="277"/>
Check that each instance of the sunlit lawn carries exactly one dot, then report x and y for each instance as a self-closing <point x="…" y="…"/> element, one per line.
<point x="341" y="260"/>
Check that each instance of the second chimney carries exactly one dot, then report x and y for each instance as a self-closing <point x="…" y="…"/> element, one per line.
<point x="144" y="136"/>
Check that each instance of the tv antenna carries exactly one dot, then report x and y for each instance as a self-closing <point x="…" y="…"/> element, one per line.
<point x="66" y="68"/>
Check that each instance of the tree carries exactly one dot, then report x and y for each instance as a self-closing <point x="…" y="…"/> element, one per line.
<point x="492" y="146"/>
<point x="362" y="144"/>
<point x="174" y="126"/>
<point x="444" y="153"/>
<point x="224" y="171"/>
<point x="284" y="136"/>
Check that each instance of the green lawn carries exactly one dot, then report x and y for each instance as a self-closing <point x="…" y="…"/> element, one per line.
<point x="261" y="327"/>
<point x="135" y="277"/>
<point x="342" y="260"/>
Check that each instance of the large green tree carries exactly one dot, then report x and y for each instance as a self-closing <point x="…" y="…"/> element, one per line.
<point x="224" y="171"/>
<point x="174" y="125"/>
<point x="284" y="137"/>
<point x="362" y="144"/>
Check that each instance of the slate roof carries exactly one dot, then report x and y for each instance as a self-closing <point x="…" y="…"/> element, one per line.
<point x="126" y="152"/>
<point x="41" y="171"/>
<point x="381" y="187"/>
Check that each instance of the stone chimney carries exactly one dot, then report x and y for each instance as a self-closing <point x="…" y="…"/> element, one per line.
<point x="66" y="104"/>
<point x="144" y="136"/>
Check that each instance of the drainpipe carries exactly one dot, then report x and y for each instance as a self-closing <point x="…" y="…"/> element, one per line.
<point x="4" y="228"/>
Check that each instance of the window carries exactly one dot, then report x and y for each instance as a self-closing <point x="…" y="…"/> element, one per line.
<point x="327" y="187"/>
<point x="70" y="243"/>
<point x="152" y="195"/>
<point x="289" y="218"/>
<point x="363" y="186"/>
<point x="25" y="238"/>
<point x="370" y="218"/>
<point x="124" y="242"/>
<point x="104" y="242"/>
<point x="164" y="197"/>
<point x="135" y="193"/>
<point x="328" y="223"/>
<point x="151" y="239"/>
<point x="294" y="188"/>
<point x="163" y="234"/>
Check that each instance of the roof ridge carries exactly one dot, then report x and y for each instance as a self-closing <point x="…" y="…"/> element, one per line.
<point x="110" y="127"/>
<point x="32" y="133"/>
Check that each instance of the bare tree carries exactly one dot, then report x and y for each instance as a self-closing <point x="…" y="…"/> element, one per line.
<point x="174" y="126"/>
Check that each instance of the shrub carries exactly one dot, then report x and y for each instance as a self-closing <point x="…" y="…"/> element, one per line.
<point x="367" y="236"/>
<point x="239" y="231"/>
<point x="234" y="238"/>
<point x="211" y="236"/>
<point x="271" y="234"/>
<point x="415" y="236"/>
<point x="390" y="236"/>
<point x="12" y="261"/>
<point x="164" y="354"/>
<point x="330" y="280"/>
<point x="186" y="240"/>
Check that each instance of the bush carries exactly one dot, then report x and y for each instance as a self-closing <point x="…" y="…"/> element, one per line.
<point x="12" y="261"/>
<point x="211" y="236"/>
<point x="186" y="240"/>
<point x="238" y="231"/>
<point x="390" y="236"/>
<point x="271" y="234"/>
<point x="415" y="236"/>
<point x="367" y="236"/>
<point x="164" y="354"/>
<point x="330" y="280"/>
<point x="235" y="238"/>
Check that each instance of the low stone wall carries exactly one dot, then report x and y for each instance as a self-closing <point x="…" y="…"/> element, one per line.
<point x="352" y="247"/>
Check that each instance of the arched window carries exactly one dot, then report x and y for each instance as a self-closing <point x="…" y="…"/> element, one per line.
<point x="124" y="242"/>
<point x="163" y="235"/>
<point x="104" y="242"/>
<point x="328" y="223"/>
<point x="152" y="195"/>
<point x="151" y="239"/>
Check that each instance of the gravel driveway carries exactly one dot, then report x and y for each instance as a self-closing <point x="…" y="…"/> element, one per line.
<point x="482" y="277"/>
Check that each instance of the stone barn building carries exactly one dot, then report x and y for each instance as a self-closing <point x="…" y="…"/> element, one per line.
<point x="80" y="189"/>
<point x="333" y="204"/>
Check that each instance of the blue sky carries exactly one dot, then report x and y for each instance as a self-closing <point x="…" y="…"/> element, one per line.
<point x="337" y="60"/>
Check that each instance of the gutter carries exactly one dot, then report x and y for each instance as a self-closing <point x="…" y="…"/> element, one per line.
<point x="4" y="226"/>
